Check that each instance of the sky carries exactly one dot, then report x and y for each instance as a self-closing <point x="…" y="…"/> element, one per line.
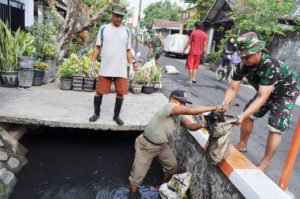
<point x="145" y="3"/>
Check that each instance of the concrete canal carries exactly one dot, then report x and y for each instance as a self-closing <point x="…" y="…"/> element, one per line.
<point x="74" y="163"/>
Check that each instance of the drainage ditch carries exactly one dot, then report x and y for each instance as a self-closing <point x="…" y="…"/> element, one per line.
<point x="80" y="164"/>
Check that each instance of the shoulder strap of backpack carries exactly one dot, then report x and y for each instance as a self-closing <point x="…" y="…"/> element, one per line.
<point x="127" y="33"/>
<point x="102" y="33"/>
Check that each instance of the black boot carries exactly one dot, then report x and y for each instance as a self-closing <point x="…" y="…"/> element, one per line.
<point x="97" y="104"/>
<point x="118" y="106"/>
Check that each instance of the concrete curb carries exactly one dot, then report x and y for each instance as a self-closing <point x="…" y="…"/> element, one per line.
<point x="245" y="176"/>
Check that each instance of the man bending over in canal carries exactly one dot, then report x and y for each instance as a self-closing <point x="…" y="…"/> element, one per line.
<point x="277" y="90"/>
<point x="114" y="42"/>
<point x="154" y="141"/>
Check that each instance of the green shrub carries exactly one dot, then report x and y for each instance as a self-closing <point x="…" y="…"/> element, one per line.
<point x="66" y="73"/>
<point x="85" y="61"/>
<point x="213" y="58"/>
<point x="41" y="65"/>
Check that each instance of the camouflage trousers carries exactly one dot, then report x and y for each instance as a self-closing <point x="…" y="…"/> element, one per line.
<point x="280" y="111"/>
<point x="156" y="52"/>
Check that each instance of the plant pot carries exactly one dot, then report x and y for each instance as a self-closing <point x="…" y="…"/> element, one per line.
<point x="77" y="82"/>
<point x="26" y="62"/>
<point x="156" y="85"/>
<point x="9" y="78"/>
<point x="147" y="89"/>
<point x="95" y="82"/>
<point x="25" y="77"/>
<point x="39" y="73"/>
<point x="37" y="81"/>
<point x="50" y="73"/>
<point x="88" y="84"/>
<point x="65" y="83"/>
<point x="136" y="89"/>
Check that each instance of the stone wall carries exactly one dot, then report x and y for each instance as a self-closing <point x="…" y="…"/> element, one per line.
<point x="287" y="49"/>
<point x="11" y="160"/>
<point x="208" y="181"/>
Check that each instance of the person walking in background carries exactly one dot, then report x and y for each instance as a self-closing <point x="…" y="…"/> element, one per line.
<point x="154" y="141"/>
<point x="113" y="40"/>
<point x="155" y="47"/>
<point x="277" y="90"/>
<point x="198" y="42"/>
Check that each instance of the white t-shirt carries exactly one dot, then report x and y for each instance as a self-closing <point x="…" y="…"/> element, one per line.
<point x="114" y="44"/>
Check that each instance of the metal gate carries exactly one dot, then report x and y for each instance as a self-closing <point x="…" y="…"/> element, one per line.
<point x="13" y="13"/>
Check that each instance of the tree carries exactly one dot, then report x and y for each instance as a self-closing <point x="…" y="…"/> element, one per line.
<point x="68" y="26"/>
<point x="161" y="10"/>
<point x="202" y="9"/>
<point x="261" y="17"/>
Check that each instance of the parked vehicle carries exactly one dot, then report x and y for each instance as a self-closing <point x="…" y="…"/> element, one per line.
<point x="174" y="44"/>
<point x="227" y="70"/>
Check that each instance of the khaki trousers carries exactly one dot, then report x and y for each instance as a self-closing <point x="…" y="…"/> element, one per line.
<point x="144" y="154"/>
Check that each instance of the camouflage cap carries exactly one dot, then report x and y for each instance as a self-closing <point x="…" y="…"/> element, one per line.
<point x="249" y="44"/>
<point x="119" y="9"/>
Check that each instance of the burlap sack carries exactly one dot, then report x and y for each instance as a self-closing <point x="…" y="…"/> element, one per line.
<point x="219" y="140"/>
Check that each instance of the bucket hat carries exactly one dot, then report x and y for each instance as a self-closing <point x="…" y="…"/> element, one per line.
<point x="119" y="9"/>
<point x="180" y="95"/>
<point x="249" y="44"/>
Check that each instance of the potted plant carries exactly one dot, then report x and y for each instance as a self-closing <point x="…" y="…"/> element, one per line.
<point x="136" y="87"/>
<point x="39" y="72"/>
<point x="148" y="87"/>
<point x="88" y="82"/>
<point x="11" y="47"/>
<point x="46" y="47"/>
<point x="156" y="74"/>
<point x="66" y="76"/>
<point x="26" y="61"/>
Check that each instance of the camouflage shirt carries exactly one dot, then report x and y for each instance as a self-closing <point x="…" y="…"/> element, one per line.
<point x="155" y="42"/>
<point x="269" y="71"/>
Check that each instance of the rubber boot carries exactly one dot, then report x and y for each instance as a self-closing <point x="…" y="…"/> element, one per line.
<point x="117" y="110"/>
<point x="97" y="104"/>
<point x="167" y="177"/>
<point x="134" y="192"/>
<point x="133" y="188"/>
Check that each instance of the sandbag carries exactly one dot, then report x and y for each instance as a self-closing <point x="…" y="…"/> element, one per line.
<point x="219" y="140"/>
<point x="177" y="186"/>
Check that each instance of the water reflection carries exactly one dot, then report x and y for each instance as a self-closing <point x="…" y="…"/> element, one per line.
<point x="95" y="192"/>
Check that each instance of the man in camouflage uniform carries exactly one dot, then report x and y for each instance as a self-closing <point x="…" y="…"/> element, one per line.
<point x="156" y="47"/>
<point x="277" y="90"/>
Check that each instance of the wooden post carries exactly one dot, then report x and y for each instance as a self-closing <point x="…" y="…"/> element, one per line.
<point x="131" y="31"/>
<point x="138" y="25"/>
<point x="290" y="160"/>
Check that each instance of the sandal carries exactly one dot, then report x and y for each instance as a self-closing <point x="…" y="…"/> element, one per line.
<point x="189" y="82"/>
<point x="194" y="81"/>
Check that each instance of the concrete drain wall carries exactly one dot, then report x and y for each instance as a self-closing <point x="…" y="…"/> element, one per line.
<point x="208" y="181"/>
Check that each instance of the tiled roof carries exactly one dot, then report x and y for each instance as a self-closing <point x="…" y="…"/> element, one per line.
<point x="159" y="23"/>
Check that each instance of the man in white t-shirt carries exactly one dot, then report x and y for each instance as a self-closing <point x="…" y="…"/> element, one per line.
<point x="113" y="40"/>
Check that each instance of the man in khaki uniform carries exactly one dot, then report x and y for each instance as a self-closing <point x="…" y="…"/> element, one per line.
<point x="154" y="141"/>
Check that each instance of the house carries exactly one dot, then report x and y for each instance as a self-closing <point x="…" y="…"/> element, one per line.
<point x="186" y="15"/>
<point x="216" y="18"/>
<point x="23" y="13"/>
<point x="165" y="27"/>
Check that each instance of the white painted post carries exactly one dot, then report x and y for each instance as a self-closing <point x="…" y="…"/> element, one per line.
<point x="29" y="13"/>
<point x="210" y="39"/>
<point x="40" y="12"/>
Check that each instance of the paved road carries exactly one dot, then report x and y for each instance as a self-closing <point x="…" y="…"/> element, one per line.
<point x="208" y="91"/>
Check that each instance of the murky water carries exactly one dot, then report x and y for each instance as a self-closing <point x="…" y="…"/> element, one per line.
<point x="79" y="164"/>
